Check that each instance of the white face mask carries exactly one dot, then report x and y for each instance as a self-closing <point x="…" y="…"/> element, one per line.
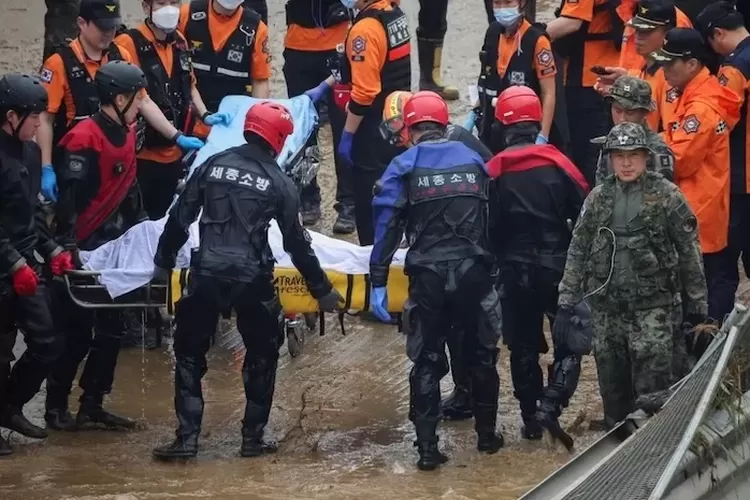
<point x="230" y="4"/>
<point x="166" y="18"/>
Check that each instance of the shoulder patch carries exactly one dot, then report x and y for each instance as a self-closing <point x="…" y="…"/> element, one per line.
<point x="198" y="16"/>
<point x="46" y="75"/>
<point x="359" y="44"/>
<point x="672" y="94"/>
<point x="691" y="124"/>
<point x="544" y="57"/>
<point x="76" y="163"/>
<point x="666" y="161"/>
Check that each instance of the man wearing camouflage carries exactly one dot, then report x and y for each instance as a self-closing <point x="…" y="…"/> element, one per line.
<point x="634" y="246"/>
<point x="630" y="99"/>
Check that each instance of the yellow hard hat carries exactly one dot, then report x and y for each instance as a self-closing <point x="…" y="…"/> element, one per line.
<point x="392" y="128"/>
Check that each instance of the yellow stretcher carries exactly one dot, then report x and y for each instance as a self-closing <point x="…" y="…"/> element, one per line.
<point x="296" y="299"/>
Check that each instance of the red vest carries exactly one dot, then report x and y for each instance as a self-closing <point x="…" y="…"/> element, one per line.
<point x="117" y="169"/>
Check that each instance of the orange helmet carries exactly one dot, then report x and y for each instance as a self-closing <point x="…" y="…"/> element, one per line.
<point x="392" y="128"/>
<point x="426" y="106"/>
<point x="518" y="104"/>
<point x="272" y="122"/>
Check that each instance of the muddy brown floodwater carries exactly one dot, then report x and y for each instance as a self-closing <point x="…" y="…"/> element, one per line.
<point x="340" y="408"/>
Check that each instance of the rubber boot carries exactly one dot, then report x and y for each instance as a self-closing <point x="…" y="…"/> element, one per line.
<point x="255" y="446"/>
<point x="310" y="213"/>
<point x="344" y="223"/>
<point x="547" y="416"/>
<point x="430" y="456"/>
<point x="532" y="430"/>
<point x="91" y="415"/>
<point x="485" y="422"/>
<point x="13" y="419"/>
<point x="60" y="419"/>
<point x="430" y="59"/>
<point x="181" y="448"/>
<point x="457" y="406"/>
<point x="5" y="448"/>
<point x="490" y="443"/>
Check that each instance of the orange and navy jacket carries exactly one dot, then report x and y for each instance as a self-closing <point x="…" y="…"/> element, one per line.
<point x="735" y="75"/>
<point x="699" y="139"/>
<point x="378" y="64"/>
<point x="319" y="26"/>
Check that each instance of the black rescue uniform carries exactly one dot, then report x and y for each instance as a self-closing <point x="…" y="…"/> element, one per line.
<point x="240" y="191"/>
<point x="23" y="230"/>
<point x="539" y="194"/>
<point x="437" y="191"/>
<point x="99" y="200"/>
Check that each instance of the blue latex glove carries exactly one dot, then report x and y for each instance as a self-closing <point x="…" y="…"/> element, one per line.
<point x="379" y="304"/>
<point x="218" y="119"/>
<point x="471" y="120"/>
<point x="540" y="139"/>
<point x="345" y="147"/>
<point x="316" y="94"/>
<point x="188" y="143"/>
<point x="49" y="183"/>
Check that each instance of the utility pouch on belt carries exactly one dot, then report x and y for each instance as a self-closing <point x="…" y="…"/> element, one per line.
<point x="407" y="320"/>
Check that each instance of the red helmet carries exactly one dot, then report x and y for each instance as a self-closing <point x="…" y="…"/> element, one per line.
<point x="425" y="106"/>
<point x="270" y="121"/>
<point x="518" y="104"/>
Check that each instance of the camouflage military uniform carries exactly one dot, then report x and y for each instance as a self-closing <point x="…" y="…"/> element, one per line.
<point x="59" y="24"/>
<point x="634" y="245"/>
<point x="633" y="93"/>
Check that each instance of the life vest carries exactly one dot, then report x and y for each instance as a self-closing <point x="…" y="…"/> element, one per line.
<point x="228" y="71"/>
<point x="82" y="89"/>
<point x="520" y="71"/>
<point x="117" y="172"/>
<point x="171" y="94"/>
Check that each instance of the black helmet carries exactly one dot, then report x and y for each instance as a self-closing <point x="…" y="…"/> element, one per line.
<point x="22" y="93"/>
<point x="117" y="78"/>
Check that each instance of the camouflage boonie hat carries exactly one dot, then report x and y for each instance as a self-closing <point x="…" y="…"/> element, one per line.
<point x="626" y="137"/>
<point x="631" y="93"/>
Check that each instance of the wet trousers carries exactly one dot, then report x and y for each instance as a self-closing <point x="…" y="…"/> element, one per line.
<point x="436" y="294"/>
<point x="634" y="351"/>
<point x="96" y="335"/>
<point x="304" y="70"/>
<point x="528" y="293"/>
<point x="259" y="321"/>
<point x="44" y="344"/>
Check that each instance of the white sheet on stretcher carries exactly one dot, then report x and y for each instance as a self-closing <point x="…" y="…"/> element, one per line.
<point x="127" y="263"/>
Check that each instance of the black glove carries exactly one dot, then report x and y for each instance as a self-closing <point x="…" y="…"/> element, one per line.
<point x="161" y="275"/>
<point x="331" y="302"/>
<point x="562" y="325"/>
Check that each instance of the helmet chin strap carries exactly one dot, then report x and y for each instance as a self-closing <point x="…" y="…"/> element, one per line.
<point x="121" y="114"/>
<point x="17" y="129"/>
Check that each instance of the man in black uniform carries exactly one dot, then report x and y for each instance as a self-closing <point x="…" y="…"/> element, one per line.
<point x="240" y="191"/>
<point x="438" y="191"/>
<point x="539" y="194"/>
<point x="23" y="231"/>
<point x="99" y="200"/>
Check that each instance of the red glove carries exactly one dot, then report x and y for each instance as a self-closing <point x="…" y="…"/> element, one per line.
<point x="25" y="281"/>
<point x="61" y="262"/>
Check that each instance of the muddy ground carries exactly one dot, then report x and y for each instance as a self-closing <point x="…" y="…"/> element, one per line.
<point x="340" y="409"/>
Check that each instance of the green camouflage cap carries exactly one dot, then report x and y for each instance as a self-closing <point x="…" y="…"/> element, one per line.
<point x="631" y="93"/>
<point x="626" y="137"/>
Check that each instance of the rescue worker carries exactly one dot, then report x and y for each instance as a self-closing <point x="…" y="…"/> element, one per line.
<point x="378" y="62"/>
<point x="634" y="245"/>
<point x="23" y="233"/>
<point x="699" y="138"/>
<point x="457" y="406"/>
<point x="315" y="28"/>
<point x="537" y="191"/>
<point x="163" y="54"/>
<point x="515" y="52"/>
<point x="99" y="200"/>
<point x="587" y="33"/>
<point x="630" y="101"/>
<point x="68" y="77"/>
<point x="724" y="30"/>
<point x="438" y="192"/>
<point x="649" y="26"/>
<point x="233" y="269"/>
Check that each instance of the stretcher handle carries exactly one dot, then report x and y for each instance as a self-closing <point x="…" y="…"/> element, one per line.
<point x="91" y="305"/>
